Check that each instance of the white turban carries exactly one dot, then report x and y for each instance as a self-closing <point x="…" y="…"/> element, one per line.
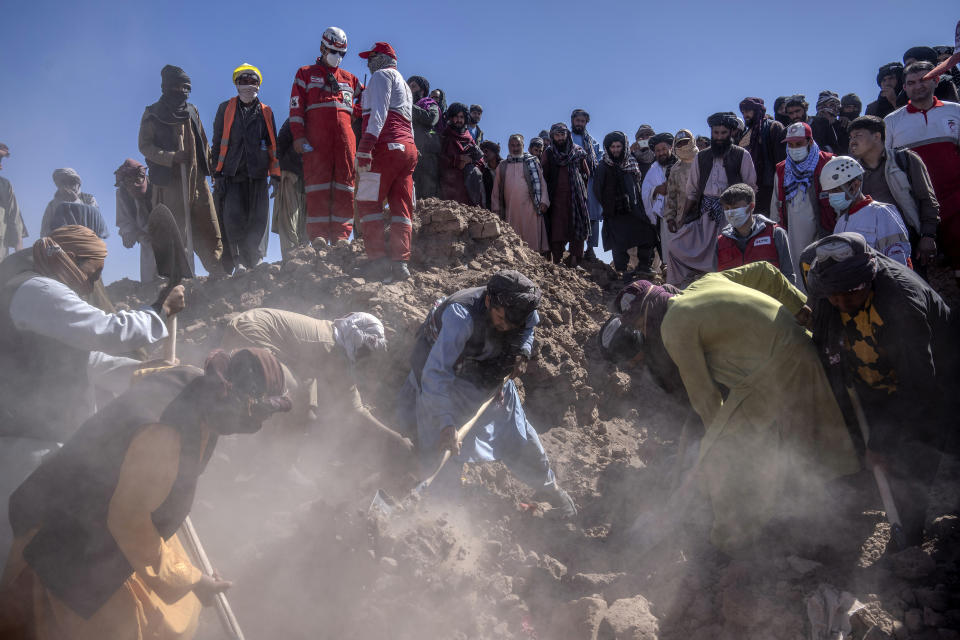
<point x="359" y="330"/>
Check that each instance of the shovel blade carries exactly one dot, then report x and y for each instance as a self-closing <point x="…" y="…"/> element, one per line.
<point x="382" y="503"/>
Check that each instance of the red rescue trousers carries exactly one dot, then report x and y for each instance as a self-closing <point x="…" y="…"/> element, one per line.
<point x="394" y="162"/>
<point x="328" y="173"/>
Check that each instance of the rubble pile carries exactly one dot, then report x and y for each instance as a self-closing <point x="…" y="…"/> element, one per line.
<point x="310" y="559"/>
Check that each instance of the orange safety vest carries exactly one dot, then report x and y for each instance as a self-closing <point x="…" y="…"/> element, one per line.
<point x="228" y="118"/>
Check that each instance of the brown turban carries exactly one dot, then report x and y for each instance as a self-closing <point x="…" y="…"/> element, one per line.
<point x="132" y="172"/>
<point x="51" y="259"/>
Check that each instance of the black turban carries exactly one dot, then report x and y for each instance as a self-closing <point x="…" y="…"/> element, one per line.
<point x="890" y="69"/>
<point x="424" y="85"/>
<point x="851" y="99"/>
<point x="837" y="264"/>
<point x="516" y="293"/>
<point x="579" y="112"/>
<point x="926" y="54"/>
<point x="171" y="76"/>
<point x="662" y="137"/>
<point x="726" y="119"/>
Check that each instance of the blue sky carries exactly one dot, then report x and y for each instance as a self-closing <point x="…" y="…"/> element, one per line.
<point x="78" y="75"/>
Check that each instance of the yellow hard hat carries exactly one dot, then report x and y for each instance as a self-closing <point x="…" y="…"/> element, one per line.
<point x="246" y="68"/>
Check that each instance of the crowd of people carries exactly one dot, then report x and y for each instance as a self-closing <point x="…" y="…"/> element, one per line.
<point x="774" y="277"/>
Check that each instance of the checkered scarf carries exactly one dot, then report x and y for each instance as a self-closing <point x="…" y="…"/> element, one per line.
<point x="799" y="175"/>
<point x="531" y="172"/>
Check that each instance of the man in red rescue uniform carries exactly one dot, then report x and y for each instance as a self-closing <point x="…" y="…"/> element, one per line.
<point x="386" y="159"/>
<point x="321" y="113"/>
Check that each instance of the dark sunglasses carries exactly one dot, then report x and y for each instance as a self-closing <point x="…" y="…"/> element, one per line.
<point x="248" y="80"/>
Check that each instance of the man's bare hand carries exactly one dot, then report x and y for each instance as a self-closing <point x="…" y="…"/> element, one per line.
<point x="175" y="301"/>
<point x="543" y="207"/>
<point x="804" y="316"/>
<point x="660" y="189"/>
<point x="299" y="145"/>
<point x="927" y="250"/>
<point x="448" y="441"/>
<point x="210" y="586"/>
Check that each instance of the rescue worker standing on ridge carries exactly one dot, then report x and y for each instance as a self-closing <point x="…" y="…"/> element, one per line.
<point x="245" y="137"/>
<point x="321" y="113"/>
<point x="386" y="159"/>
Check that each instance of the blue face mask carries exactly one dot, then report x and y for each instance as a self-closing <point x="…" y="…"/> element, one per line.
<point x="839" y="201"/>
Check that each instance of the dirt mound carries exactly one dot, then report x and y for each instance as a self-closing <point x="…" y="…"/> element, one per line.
<point x="310" y="561"/>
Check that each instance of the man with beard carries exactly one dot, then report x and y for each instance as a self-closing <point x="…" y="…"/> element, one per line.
<point x="850" y="106"/>
<point x="458" y="155"/>
<point x="12" y="229"/>
<point x="245" y="137"/>
<point x="519" y="195"/>
<point x="764" y="140"/>
<point x="426" y="117"/>
<point x="476" y="112"/>
<point x="780" y="111"/>
<point x="536" y="147"/>
<point x="801" y="208"/>
<point x="68" y="185"/>
<point x="931" y="128"/>
<point x="386" y="160"/>
<point x="616" y="185"/>
<point x="578" y="124"/>
<point x="322" y="111"/>
<point x="174" y="144"/>
<point x="694" y="248"/>
<point x="796" y="109"/>
<point x="829" y="127"/>
<point x="890" y="81"/>
<point x="654" y="189"/>
<point x="566" y="171"/>
<point x="468" y="349"/>
<point x="97" y="554"/>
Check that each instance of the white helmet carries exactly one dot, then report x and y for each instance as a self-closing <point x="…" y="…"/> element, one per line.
<point x="335" y="38"/>
<point x="839" y="170"/>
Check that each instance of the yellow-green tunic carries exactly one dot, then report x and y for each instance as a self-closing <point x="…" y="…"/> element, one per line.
<point x="780" y="422"/>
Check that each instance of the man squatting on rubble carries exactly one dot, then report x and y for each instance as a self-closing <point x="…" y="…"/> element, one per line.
<point x="470" y="342"/>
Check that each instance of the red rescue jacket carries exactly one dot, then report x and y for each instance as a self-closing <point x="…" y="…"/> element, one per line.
<point x="759" y="247"/>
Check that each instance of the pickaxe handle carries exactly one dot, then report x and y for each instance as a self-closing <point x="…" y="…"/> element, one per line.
<point x="224" y="612"/>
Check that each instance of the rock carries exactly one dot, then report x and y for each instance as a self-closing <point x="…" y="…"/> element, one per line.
<point x="936" y="600"/>
<point x="388" y="564"/>
<point x="912" y="564"/>
<point x="933" y="619"/>
<point x="629" y="619"/>
<point x="913" y="620"/>
<point x="594" y="582"/>
<point x="579" y="619"/>
<point x="485" y="230"/>
<point x="494" y="547"/>
<point x="802" y="565"/>
<point x="556" y="568"/>
<point x="876" y="633"/>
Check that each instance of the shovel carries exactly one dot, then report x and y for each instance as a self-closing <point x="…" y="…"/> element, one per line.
<point x="172" y="263"/>
<point x="224" y="612"/>
<point x="883" y="485"/>
<point x="384" y="503"/>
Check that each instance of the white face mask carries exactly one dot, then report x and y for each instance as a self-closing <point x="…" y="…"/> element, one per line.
<point x="737" y="217"/>
<point x="247" y="92"/>
<point x="643" y="144"/>
<point x="798" y="155"/>
<point x="333" y="58"/>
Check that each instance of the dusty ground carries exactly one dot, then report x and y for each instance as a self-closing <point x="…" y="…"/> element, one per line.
<point x="310" y="561"/>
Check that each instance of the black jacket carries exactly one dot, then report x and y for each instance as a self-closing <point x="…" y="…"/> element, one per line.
<point x="918" y="338"/>
<point x="247" y="153"/>
<point x="289" y="159"/>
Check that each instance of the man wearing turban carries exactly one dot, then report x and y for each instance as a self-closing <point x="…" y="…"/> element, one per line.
<point x="54" y="346"/>
<point x="883" y="332"/>
<point x="97" y="554"/>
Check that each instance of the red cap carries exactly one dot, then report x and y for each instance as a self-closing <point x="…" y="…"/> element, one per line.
<point x="380" y="47"/>
<point x="798" y="131"/>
